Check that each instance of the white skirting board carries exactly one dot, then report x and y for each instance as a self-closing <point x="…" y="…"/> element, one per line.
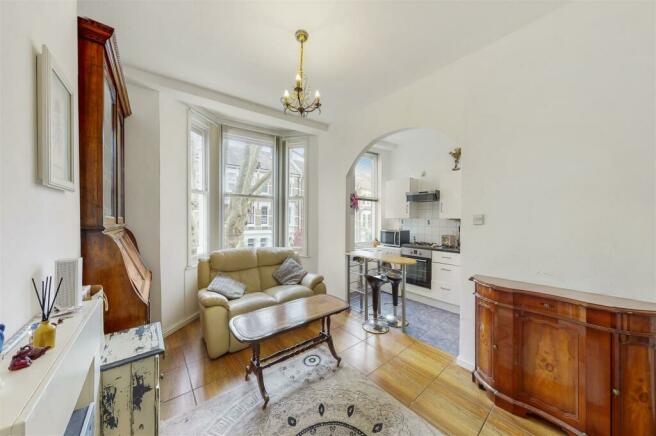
<point x="169" y="330"/>
<point x="469" y="366"/>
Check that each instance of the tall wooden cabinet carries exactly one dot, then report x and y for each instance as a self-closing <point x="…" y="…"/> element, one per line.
<point x="586" y="362"/>
<point x="109" y="249"/>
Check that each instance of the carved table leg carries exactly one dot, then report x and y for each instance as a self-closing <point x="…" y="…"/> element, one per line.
<point x="248" y="370"/>
<point x="257" y="369"/>
<point x="326" y="321"/>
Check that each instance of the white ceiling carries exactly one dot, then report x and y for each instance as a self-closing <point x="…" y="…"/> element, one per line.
<point x="357" y="51"/>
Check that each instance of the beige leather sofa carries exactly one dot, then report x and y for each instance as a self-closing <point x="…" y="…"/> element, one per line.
<point x="254" y="268"/>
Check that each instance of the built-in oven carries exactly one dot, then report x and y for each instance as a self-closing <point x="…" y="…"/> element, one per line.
<point x="420" y="273"/>
<point x="394" y="238"/>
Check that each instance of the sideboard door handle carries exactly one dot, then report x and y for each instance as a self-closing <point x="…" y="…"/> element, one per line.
<point x="616" y="392"/>
<point x="495" y="347"/>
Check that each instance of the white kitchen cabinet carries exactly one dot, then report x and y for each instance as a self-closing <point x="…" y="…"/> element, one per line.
<point x="395" y="203"/>
<point x="446" y="277"/>
<point x="451" y="195"/>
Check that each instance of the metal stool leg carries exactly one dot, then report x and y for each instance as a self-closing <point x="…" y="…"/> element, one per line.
<point x="375" y="324"/>
<point x="393" y="318"/>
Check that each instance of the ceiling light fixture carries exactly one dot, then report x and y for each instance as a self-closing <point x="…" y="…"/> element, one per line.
<point x="300" y="101"/>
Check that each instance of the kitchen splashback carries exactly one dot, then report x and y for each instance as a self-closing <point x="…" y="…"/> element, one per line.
<point x="425" y="224"/>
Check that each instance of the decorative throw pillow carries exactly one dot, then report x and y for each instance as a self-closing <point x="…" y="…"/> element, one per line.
<point x="226" y="286"/>
<point x="290" y="272"/>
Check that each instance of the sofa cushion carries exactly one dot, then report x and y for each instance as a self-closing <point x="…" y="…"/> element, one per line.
<point x="233" y="259"/>
<point x="268" y="261"/>
<point x="227" y="286"/>
<point x="274" y="255"/>
<point x="289" y="273"/>
<point x="250" y="302"/>
<point x="284" y="293"/>
<point x="250" y="277"/>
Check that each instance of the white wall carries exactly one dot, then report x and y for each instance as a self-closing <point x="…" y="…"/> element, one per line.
<point x="156" y="199"/>
<point x="556" y="121"/>
<point x="176" y="304"/>
<point x="417" y="152"/>
<point x="422" y="154"/>
<point x="142" y="170"/>
<point x="37" y="224"/>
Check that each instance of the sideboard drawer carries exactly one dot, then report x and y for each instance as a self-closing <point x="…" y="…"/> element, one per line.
<point x="550" y="307"/>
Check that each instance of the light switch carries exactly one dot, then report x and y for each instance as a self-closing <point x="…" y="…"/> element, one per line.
<point x="479" y="220"/>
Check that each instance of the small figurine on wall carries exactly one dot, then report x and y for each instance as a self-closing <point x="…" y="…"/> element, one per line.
<point x="455" y="154"/>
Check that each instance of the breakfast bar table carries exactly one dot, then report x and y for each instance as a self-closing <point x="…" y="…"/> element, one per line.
<point x="403" y="262"/>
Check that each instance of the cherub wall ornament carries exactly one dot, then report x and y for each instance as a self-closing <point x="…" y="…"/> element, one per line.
<point x="455" y="154"/>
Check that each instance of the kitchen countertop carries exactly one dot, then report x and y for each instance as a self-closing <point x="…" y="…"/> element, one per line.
<point x="433" y="248"/>
<point x="373" y="255"/>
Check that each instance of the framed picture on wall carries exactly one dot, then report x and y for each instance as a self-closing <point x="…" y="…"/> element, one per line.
<point x="56" y="124"/>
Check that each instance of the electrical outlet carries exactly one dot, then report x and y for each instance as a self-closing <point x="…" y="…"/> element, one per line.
<point x="479" y="220"/>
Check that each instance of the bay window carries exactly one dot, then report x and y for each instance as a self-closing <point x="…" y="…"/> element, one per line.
<point x="247" y="188"/>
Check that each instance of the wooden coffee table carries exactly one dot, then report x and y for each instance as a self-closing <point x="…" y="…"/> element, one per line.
<point x="256" y="326"/>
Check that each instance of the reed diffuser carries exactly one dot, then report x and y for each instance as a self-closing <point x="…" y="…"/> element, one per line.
<point x="44" y="335"/>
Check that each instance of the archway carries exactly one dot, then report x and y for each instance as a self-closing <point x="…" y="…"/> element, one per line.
<point x="413" y="159"/>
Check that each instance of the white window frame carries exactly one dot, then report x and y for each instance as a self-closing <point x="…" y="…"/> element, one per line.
<point x="274" y="182"/>
<point x="297" y="142"/>
<point x="197" y="122"/>
<point x="374" y="199"/>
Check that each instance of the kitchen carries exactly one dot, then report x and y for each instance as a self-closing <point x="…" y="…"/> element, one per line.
<point x="419" y="211"/>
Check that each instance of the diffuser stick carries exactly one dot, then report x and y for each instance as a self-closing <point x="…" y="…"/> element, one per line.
<point x="37" y="295"/>
<point x="61" y="279"/>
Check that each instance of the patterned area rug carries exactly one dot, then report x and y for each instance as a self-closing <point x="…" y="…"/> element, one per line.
<point x="309" y="396"/>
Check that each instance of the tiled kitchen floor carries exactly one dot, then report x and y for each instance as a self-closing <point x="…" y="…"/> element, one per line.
<point x="437" y="327"/>
<point x="422" y="377"/>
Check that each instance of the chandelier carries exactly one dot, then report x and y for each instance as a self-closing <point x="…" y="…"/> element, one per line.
<point x="300" y="101"/>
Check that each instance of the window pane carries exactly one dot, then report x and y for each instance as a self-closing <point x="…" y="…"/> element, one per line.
<point x="197" y="157"/>
<point x="295" y="237"/>
<point x="296" y="168"/>
<point x="295" y="224"/>
<point x="198" y="227"/>
<point x="247" y="219"/>
<point x="247" y="167"/>
<point x="365" y="223"/>
<point x="365" y="176"/>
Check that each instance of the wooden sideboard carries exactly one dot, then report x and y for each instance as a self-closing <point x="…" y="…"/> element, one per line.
<point x="583" y="361"/>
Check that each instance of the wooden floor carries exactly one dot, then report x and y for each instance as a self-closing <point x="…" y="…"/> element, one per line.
<point x="423" y="378"/>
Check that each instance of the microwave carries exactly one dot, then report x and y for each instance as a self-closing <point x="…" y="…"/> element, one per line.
<point x="394" y="238"/>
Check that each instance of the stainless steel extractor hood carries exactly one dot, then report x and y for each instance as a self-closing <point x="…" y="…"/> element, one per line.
<point x="423" y="196"/>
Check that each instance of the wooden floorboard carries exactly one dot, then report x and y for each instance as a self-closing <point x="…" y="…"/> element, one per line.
<point x="425" y="379"/>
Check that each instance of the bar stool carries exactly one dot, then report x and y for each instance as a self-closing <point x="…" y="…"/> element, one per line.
<point x="392" y="319"/>
<point x="376" y="324"/>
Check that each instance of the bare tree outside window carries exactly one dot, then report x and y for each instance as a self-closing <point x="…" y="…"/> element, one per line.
<point x="248" y="180"/>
